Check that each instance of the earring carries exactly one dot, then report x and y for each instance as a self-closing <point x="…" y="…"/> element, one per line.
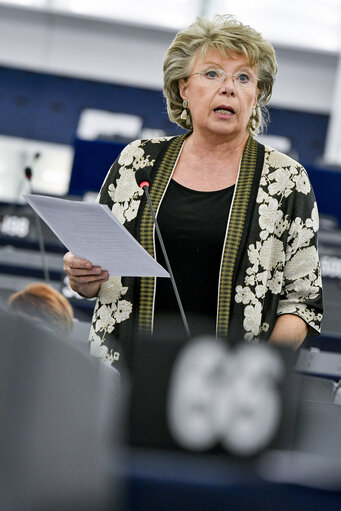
<point x="184" y="114"/>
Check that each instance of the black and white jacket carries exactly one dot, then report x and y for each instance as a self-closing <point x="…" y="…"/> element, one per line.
<point x="269" y="264"/>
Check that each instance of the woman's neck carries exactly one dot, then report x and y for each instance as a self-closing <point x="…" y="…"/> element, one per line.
<point x="216" y="146"/>
<point x="206" y="165"/>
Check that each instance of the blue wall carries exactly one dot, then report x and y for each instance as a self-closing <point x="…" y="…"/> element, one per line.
<point x="47" y="107"/>
<point x="306" y="131"/>
<point x="91" y="163"/>
<point x="327" y="188"/>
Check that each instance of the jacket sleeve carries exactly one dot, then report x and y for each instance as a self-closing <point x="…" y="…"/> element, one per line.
<point x="302" y="284"/>
<point x="103" y="196"/>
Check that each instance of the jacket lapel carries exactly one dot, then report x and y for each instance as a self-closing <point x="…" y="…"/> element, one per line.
<point x="238" y="228"/>
<point x="146" y="232"/>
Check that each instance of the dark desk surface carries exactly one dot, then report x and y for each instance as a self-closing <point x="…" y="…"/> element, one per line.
<point x="168" y="481"/>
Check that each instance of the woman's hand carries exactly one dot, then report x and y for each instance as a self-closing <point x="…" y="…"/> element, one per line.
<point x="84" y="278"/>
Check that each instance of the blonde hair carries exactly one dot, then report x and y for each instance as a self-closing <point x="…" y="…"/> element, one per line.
<point x="225" y="34"/>
<point x="41" y="301"/>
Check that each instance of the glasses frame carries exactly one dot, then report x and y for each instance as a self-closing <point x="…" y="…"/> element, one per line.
<point x="223" y="77"/>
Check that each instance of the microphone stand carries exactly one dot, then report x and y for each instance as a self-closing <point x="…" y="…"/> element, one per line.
<point x="42" y="248"/>
<point x="177" y="296"/>
<point x="28" y="174"/>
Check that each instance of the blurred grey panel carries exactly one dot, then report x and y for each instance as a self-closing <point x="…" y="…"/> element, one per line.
<point x="330" y="259"/>
<point x="319" y="430"/>
<point x="59" y="423"/>
<point x="315" y="459"/>
<point x="80" y="335"/>
<point x="11" y="283"/>
<point x="80" y="331"/>
<point x="11" y="256"/>
<point x="317" y="362"/>
<point x="331" y="322"/>
<point x="314" y="388"/>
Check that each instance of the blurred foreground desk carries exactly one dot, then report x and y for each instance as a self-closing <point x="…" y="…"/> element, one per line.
<point x="169" y="481"/>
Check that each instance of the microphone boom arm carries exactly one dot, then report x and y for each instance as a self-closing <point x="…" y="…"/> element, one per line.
<point x="144" y="187"/>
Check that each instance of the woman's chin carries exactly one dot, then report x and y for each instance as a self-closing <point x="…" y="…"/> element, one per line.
<point x="223" y="129"/>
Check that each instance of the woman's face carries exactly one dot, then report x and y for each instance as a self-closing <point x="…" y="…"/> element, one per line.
<point x="222" y="108"/>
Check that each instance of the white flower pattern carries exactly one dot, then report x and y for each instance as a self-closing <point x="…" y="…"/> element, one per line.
<point x="123" y="310"/>
<point x="126" y="194"/>
<point x="291" y="268"/>
<point x="302" y="183"/>
<point x="130" y="152"/>
<point x="301" y="263"/>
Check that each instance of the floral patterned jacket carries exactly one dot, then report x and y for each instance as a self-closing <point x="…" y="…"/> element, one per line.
<point x="269" y="264"/>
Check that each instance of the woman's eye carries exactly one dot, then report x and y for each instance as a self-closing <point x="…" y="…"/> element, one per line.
<point x="243" y="78"/>
<point x="211" y="74"/>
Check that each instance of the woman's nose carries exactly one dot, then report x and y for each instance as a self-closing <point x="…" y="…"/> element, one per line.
<point x="228" y="86"/>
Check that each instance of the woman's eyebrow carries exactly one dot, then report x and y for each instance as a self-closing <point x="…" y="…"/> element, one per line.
<point x="210" y="63"/>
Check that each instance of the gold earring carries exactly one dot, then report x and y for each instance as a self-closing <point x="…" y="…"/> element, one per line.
<point x="184" y="114"/>
<point x="253" y="120"/>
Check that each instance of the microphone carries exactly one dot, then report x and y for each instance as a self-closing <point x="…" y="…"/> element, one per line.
<point x="143" y="181"/>
<point x="28" y="171"/>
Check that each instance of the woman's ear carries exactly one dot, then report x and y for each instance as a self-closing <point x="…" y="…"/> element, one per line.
<point x="182" y="88"/>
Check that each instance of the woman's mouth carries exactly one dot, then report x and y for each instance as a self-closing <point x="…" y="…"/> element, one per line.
<point x="225" y="110"/>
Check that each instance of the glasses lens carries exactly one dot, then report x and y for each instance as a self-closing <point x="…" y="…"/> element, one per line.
<point x="214" y="77"/>
<point x="211" y="76"/>
<point x="243" y="79"/>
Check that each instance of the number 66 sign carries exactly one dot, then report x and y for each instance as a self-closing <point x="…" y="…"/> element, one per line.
<point x="219" y="396"/>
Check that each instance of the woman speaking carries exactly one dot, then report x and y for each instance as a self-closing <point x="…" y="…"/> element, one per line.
<point x="239" y="220"/>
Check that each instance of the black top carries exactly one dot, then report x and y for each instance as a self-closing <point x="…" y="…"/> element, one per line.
<point x="193" y="225"/>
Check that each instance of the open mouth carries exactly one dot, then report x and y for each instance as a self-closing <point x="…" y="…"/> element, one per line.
<point x="224" y="110"/>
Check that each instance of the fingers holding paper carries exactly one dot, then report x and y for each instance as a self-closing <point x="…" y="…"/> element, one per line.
<point x="84" y="278"/>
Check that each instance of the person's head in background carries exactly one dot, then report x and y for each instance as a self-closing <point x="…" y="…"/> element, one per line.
<point x="42" y="302"/>
<point x="229" y="38"/>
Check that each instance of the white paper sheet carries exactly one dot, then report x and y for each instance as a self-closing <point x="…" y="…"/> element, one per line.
<point x="90" y="231"/>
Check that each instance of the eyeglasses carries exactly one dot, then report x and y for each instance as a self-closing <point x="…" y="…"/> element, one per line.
<point x="215" y="77"/>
